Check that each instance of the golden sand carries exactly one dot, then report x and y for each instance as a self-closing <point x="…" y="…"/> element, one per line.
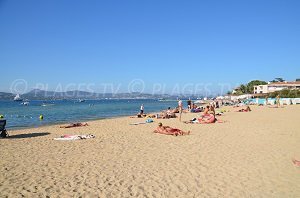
<point x="248" y="156"/>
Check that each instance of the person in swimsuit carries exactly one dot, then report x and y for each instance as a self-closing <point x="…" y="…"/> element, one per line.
<point x="75" y="125"/>
<point x="206" y="110"/>
<point x="169" y="130"/>
<point x="278" y="101"/>
<point x="180" y="107"/>
<point x="245" y="110"/>
<point x="296" y="162"/>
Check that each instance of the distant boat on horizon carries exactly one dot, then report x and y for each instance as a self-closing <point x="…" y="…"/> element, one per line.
<point x="18" y="98"/>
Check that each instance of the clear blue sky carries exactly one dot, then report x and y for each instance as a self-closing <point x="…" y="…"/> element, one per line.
<point x="172" y="42"/>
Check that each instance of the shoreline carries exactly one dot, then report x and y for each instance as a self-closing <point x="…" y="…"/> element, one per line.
<point x="64" y="123"/>
<point x="59" y="114"/>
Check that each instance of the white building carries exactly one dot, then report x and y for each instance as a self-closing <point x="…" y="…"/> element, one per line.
<point x="277" y="86"/>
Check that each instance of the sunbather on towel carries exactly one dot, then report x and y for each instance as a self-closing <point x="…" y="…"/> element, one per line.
<point x="79" y="136"/>
<point x="245" y="110"/>
<point x="74" y="137"/>
<point x="75" y="125"/>
<point x="208" y="119"/>
<point x="169" y="130"/>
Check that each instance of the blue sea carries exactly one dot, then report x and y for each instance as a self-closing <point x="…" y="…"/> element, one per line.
<point x="67" y="111"/>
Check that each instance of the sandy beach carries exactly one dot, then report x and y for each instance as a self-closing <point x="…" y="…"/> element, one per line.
<point x="250" y="155"/>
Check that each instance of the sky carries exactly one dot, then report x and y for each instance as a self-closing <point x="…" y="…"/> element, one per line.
<point x="168" y="46"/>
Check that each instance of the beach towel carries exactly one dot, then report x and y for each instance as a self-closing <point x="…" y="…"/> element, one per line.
<point x="137" y="123"/>
<point x="74" y="137"/>
<point x="149" y="121"/>
<point x="146" y="122"/>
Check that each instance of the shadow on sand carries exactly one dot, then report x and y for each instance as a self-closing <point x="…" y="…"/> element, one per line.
<point x="27" y="135"/>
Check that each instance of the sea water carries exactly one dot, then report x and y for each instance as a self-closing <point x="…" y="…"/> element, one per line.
<point x="66" y="111"/>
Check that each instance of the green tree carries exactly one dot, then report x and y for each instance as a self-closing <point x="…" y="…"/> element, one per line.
<point x="250" y="85"/>
<point x="278" y="80"/>
<point x="243" y="88"/>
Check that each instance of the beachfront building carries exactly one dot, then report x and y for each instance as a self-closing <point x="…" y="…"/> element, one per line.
<point x="276" y="86"/>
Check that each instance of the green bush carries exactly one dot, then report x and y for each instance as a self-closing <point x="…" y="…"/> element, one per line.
<point x="286" y="93"/>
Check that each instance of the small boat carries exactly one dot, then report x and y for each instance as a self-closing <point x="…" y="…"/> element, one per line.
<point x="81" y="100"/>
<point x="18" y="98"/>
<point x="25" y="103"/>
<point x="161" y="99"/>
<point x="200" y="102"/>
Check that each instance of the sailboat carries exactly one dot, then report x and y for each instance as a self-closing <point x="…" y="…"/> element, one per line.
<point x="18" y="98"/>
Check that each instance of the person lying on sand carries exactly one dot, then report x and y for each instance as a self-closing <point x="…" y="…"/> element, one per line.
<point x="245" y="110"/>
<point x="75" y="137"/>
<point x="207" y="119"/>
<point x="296" y="162"/>
<point x="171" y="113"/>
<point x="78" y="124"/>
<point x="169" y="130"/>
<point x="208" y="111"/>
<point x="139" y="115"/>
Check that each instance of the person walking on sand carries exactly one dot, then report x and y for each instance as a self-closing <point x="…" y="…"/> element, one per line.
<point x="180" y="108"/>
<point x="142" y="109"/>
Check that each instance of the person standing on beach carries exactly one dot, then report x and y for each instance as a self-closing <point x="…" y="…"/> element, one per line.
<point x="180" y="108"/>
<point x="142" y="109"/>
<point x="278" y="101"/>
<point x="189" y="103"/>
